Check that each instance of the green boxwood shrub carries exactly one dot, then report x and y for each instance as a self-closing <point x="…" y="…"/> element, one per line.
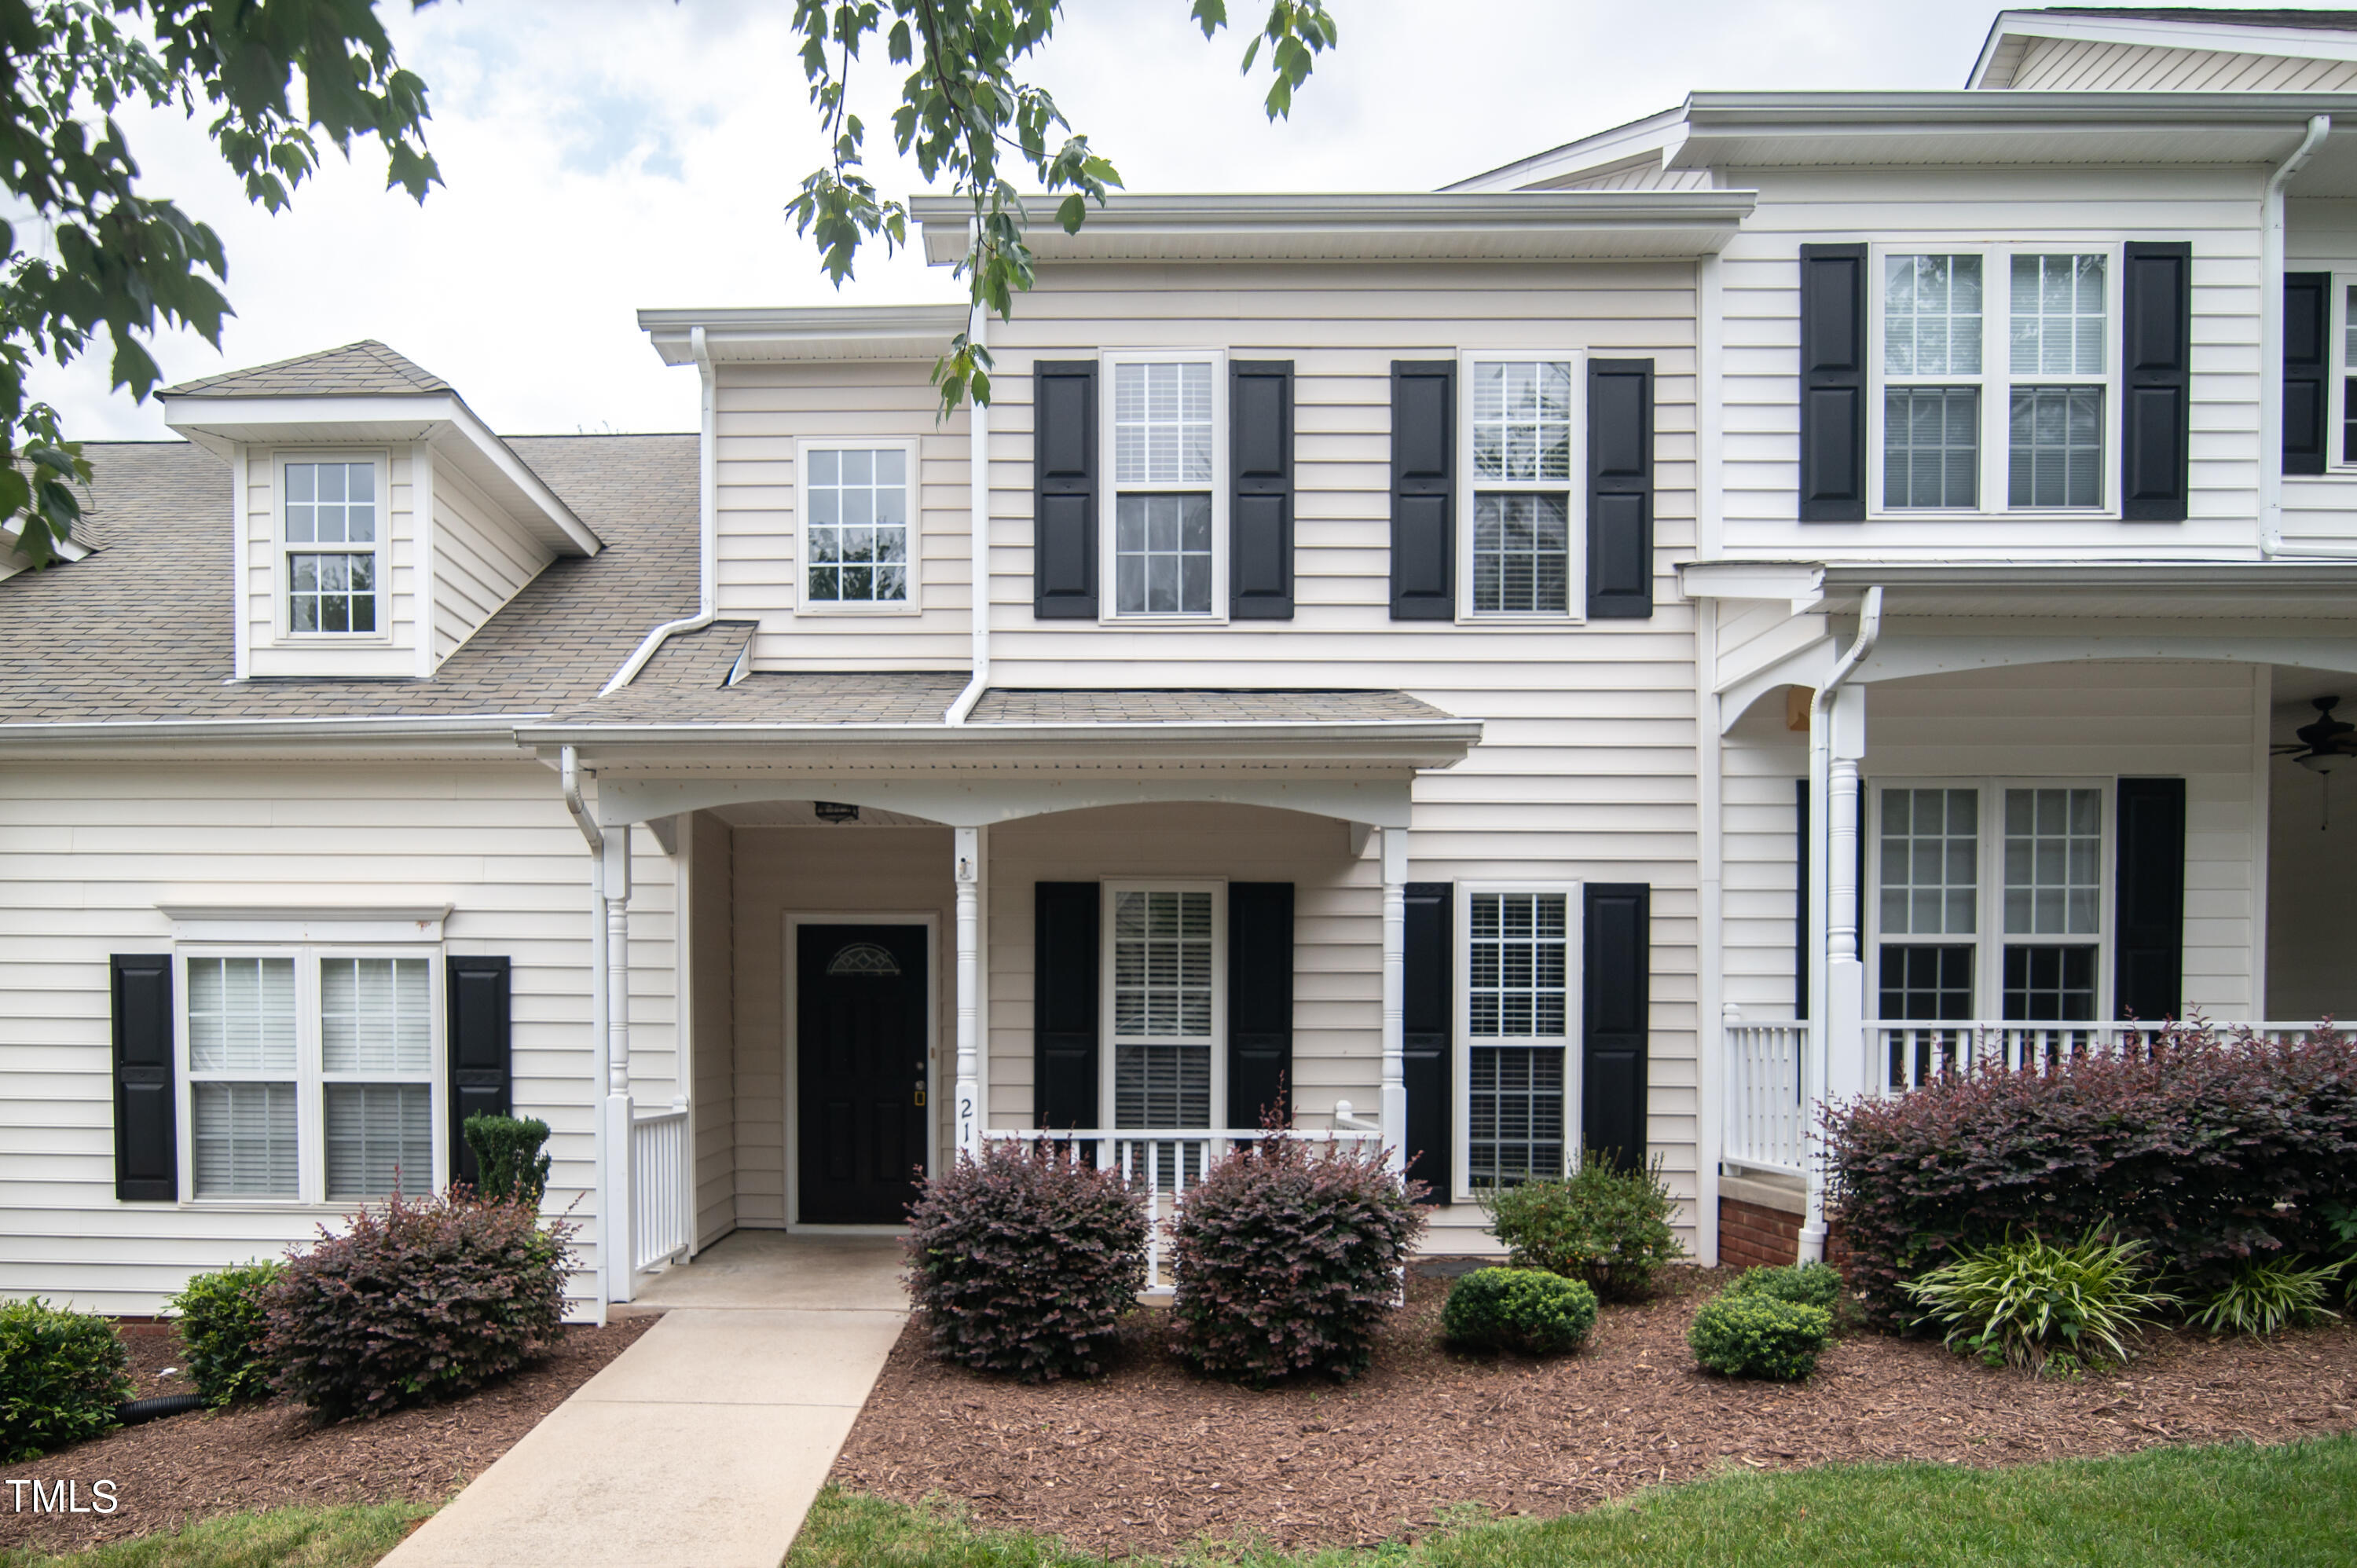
<point x="1810" y="1285"/>
<point x="1760" y="1336"/>
<point x="1606" y="1225"/>
<point x="2022" y="1300"/>
<point x="61" y="1375"/>
<point x="1287" y="1259"/>
<point x="223" y="1323"/>
<point x="1528" y="1310"/>
<point x="1024" y="1262"/>
<point x="418" y="1301"/>
<point x="508" y="1154"/>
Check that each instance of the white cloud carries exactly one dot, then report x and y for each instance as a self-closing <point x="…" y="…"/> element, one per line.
<point x="606" y="154"/>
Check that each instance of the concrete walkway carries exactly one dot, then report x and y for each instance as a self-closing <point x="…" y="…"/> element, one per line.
<point x="701" y="1446"/>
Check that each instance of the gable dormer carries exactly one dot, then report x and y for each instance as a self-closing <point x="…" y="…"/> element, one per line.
<point x="377" y="523"/>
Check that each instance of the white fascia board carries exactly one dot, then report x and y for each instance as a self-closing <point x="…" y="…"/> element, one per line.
<point x="813" y="332"/>
<point x="1795" y="580"/>
<point x="2209" y="33"/>
<point x="547" y="517"/>
<point x="466" y="733"/>
<point x="2140" y="577"/>
<point x="1318" y="226"/>
<point x="1621" y="144"/>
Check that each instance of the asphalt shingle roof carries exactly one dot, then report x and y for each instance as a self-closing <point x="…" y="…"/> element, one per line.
<point x="365" y="368"/>
<point x="692" y="692"/>
<point x="140" y="629"/>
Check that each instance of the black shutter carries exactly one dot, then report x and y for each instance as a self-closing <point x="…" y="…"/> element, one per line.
<point x="2156" y="413"/>
<point x="1260" y="1001"/>
<point x="1620" y="490"/>
<point x="2307" y="363"/>
<point x="1429" y="1020"/>
<point x="1063" y="489"/>
<point x="483" y="1074"/>
<point x="1616" y="983"/>
<point x="1064" y="1004"/>
<point x="1260" y="501"/>
<point x="1424" y="489"/>
<point x="146" y="1112"/>
<point x="2148" y="980"/>
<point x="1802" y="877"/>
<point x="1832" y="383"/>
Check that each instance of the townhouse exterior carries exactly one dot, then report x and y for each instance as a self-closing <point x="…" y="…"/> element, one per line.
<point x="1762" y="603"/>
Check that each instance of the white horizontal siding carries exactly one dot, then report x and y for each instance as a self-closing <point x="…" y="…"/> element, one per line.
<point x="481" y="558"/>
<point x="2215" y="209"/>
<point x="2088" y="65"/>
<point x="709" y="846"/>
<point x="87" y="854"/>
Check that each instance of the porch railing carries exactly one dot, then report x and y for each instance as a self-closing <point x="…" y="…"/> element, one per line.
<point x="660" y="1188"/>
<point x="1908" y="1056"/>
<point x="1163" y="1161"/>
<point x="1764" y="1123"/>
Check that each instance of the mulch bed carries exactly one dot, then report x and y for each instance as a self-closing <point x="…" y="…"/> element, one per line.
<point x="186" y="1467"/>
<point x="1152" y="1457"/>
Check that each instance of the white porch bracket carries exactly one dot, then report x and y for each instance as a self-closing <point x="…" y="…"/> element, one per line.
<point x="1395" y="1100"/>
<point x="966" y="847"/>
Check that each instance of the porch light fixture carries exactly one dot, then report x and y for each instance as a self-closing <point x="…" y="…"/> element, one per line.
<point x="834" y="811"/>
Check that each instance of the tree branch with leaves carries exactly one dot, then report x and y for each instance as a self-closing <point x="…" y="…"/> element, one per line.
<point x="963" y="114"/>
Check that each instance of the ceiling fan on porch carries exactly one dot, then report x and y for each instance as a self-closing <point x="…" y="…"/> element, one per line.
<point x="2322" y="747"/>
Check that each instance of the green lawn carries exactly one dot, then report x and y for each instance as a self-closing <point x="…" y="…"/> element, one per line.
<point x="2268" y="1507"/>
<point x="348" y="1537"/>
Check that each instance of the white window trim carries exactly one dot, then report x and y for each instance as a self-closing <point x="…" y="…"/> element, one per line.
<point x="1575" y="610"/>
<point x="310" y="1074"/>
<point x="803" y="605"/>
<point x="1109" y="890"/>
<point x="1989" y="939"/>
<point x="1996" y="378"/>
<point x="1461" y="1067"/>
<point x="1109" y="502"/>
<point x="282" y="584"/>
<point x="2339" y="367"/>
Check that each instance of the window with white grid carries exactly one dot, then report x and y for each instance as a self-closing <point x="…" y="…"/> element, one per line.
<point x="855" y="524"/>
<point x="312" y="1075"/>
<point x="1164" y="945"/>
<point x="1519" y="415"/>
<point x="2053" y="894"/>
<point x="332" y="536"/>
<point x="1931" y="333"/>
<point x="1164" y="557"/>
<point x="1517" y="1002"/>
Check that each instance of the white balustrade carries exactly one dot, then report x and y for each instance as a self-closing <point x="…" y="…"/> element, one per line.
<point x="1764" y="1125"/>
<point x="660" y="1188"/>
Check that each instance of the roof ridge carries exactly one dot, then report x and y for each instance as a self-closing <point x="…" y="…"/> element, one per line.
<point x="369" y="365"/>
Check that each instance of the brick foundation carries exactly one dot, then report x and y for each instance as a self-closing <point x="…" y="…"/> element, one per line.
<point x="1751" y="1235"/>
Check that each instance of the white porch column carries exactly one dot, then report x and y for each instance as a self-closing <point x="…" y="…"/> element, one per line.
<point x="966" y="846"/>
<point x="1835" y="1066"/>
<point x="1394" y="1106"/>
<point x="617" y="1198"/>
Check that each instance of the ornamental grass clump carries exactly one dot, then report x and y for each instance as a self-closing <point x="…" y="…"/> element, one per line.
<point x="2023" y="1301"/>
<point x="1024" y="1262"/>
<point x="421" y="1300"/>
<point x="1809" y="1284"/>
<point x="1606" y="1227"/>
<point x="61" y="1375"/>
<point x="224" y="1326"/>
<point x="1529" y="1310"/>
<point x="1287" y="1258"/>
<point x="1760" y="1336"/>
<point x="2211" y="1148"/>
<point x="2266" y="1295"/>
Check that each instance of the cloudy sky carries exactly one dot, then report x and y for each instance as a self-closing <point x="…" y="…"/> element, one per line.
<point x="601" y="155"/>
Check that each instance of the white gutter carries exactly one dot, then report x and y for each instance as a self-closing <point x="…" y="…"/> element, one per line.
<point x="707" y="593"/>
<point x="2272" y="248"/>
<point x="977" y="467"/>
<point x="1815" y="1062"/>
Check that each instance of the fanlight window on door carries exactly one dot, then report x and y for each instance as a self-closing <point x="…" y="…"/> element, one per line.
<point x="863" y="958"/>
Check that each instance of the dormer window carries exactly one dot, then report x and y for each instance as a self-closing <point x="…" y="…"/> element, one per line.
<point x="332" y="539"/>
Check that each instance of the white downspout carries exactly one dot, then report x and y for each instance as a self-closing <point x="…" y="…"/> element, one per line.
<point x="1822" y="917"/>
<point x="707" y="581"/>
<point x="569" y="770"/>
<point x="977" y="467"/>
<point x="2272" y="248"/>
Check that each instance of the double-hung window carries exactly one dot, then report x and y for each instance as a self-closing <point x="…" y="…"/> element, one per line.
<point x="1523" y="476"/>
<point x="1164" y="419"/>
<point x="1518" y="1030"/>
<point x="311" y="1074"/>
<point x="858" y="531"/>
<point x="1163" y="943"/>
<point x="1989" y="902"/>
<point x="332" y="536"/>
<point x="1997" y="368"/>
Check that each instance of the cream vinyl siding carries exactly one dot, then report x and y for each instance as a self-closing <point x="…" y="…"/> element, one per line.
<point x="762" y="410"/>
<point x="2086" y="721"/>
<point x="2086" y="65"/>
<point x="480" y="560"/>
<point x="255" y="479"/>
<point x="87" y="854"/>
<point x="1932" y="210"/>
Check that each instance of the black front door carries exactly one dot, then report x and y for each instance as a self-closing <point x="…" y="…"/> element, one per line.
<point x="860" y="1033"/>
